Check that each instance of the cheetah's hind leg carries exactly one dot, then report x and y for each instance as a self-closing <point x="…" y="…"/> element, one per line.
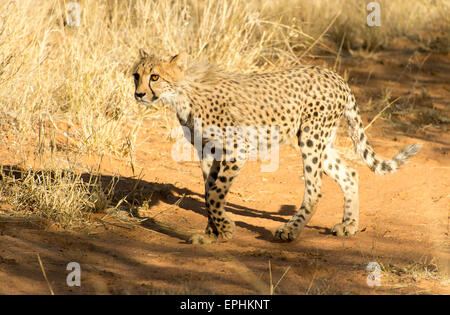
<point x="347" y="178"/>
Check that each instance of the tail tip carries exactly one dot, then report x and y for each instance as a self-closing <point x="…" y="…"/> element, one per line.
<point x="407" y="153"/>
<point x="413" y="149"/>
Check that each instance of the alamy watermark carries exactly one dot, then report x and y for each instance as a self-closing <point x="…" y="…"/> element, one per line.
<point x="241" y="143"/>
<point x="74" y="277"/>
<point x="73" y="14"/>
<point x="374" y="17"/>
<point x="374" y="277"/>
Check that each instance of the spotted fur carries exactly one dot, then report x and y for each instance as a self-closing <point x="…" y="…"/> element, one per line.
<point x="306" y="102"/>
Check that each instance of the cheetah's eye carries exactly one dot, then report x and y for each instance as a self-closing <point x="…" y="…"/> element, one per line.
<point x="154" y="77"/>
<point x="136" y="76"/>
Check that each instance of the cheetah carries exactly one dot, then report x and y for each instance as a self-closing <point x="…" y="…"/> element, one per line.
<point x="306" y="101"/>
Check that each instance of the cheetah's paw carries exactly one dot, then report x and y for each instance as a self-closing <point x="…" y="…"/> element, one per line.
<point x="287" y="232"/>
<point x="227" y="233"/>
<point x="345" y="229"/>
<point x="202" y="239"/>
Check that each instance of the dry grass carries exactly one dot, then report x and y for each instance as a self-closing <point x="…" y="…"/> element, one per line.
<point x="58" y="197"/>
<point x="400" y="277"/>
<point x="66" y="91"/>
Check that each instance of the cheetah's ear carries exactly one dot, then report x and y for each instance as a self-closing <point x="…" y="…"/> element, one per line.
<point x="143" y="53"/>
<point x="180" y="61"/>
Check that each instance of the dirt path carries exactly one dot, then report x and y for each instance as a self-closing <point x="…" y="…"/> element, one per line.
<point x="404" y="225"/>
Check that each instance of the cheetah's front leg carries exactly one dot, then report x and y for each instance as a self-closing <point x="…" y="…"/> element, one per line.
<point x="219" y="180"/>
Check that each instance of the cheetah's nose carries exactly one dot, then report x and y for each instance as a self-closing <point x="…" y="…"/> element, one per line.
<point x="139" y="95"/>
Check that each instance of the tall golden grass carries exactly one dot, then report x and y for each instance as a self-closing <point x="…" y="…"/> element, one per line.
<point x="67" y="91"/>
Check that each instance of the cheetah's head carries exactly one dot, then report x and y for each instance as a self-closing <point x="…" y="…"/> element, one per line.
<point x="158" y="78"/>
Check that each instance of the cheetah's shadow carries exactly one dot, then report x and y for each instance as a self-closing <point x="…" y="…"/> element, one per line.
<point x="136" y="192"/>
<point x="194" y="202"/>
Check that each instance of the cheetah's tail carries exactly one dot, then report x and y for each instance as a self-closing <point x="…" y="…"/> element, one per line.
<point x="366" y="152"/>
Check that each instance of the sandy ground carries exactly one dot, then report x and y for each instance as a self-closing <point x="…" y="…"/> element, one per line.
<point x="404" y="217"/>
